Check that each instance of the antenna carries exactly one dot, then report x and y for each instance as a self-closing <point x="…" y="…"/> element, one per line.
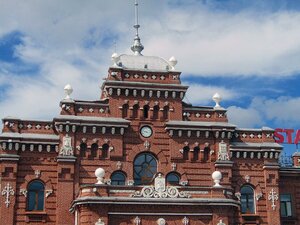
<point x="137" y="46"/>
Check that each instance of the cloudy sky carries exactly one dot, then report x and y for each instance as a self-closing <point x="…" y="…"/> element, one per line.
<point x="248" y="51"/>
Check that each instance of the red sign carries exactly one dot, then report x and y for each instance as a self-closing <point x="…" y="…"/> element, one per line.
<point x="286" y="136"/>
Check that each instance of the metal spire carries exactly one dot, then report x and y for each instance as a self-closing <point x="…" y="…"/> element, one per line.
<point x="137" y="46"/>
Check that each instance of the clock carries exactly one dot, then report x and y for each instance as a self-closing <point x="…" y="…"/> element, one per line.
<point x="146" y="131"/>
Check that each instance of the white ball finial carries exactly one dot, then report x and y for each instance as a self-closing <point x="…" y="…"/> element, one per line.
<point x="115" y="58"/>
<point x="217" y="176"/>
<point x="173" y="62"/>
<point x="100" y="173"/>
<point x="217" y="99"/>
<point x="68" y="91"/>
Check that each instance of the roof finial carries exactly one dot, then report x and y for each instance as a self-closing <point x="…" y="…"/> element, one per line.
<point x="137" y="46"/>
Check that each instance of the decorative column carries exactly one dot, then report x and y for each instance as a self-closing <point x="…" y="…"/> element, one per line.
<point x="65" y="183"/>
<point x="8" y="168"/>
<point x="271" y="175"/>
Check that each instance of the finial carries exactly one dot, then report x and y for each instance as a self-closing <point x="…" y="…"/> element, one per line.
<point x="217" y="99"/>
<point x="100" y="173"/>
<point x="68" y="91"/>
<point x="173" y="61"/>
<point x="217" y="176"/>
<point x="137" y="46"/>
<point x="115" y="58"/>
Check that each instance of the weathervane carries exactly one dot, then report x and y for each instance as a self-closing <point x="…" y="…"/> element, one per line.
<point x="137" y="46"/>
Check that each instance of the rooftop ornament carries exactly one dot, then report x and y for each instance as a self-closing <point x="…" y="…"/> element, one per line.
<point x="68" y="91"/>
<point x="115" y="58"/>
<point x="217" y="176"/>
<point x="217" y="99"/>
<point x="173" y="62"/>
<point x="137" y="46"/>
<point x="100" y="173"/>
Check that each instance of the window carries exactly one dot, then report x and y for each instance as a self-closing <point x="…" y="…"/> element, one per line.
<point x="105" y="148"/>
<point x="173" y="178"/>
<point x="118" y="178"/>
<point x="135" y="111"/>
<point x="166" y="112"/>
<point x="35" y="196"/>
<point x="285" y="205"/>
<point x="125" y="110"/>
<point x="94" y="150"/>
<point x="145" y="167"/>
<point x="146" y="111"/>
<point x="155" y="112"/>
<point x="83" y="148"/>
<point x="247" y="200"/>
<point x="196" y="153"/>
<point x="186" y="150"/>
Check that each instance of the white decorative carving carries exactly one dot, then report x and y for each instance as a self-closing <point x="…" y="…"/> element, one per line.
<point x="68" y="91"/>
<point x="161" y="221"/>
<point x="38" y="126"/>
<point x="100" y="173"/>
<point x="251" y="135"/>
<point x="207" y="115"/>
<point x="101" y="110"/>
<point x="136" y="76"/>
<point x="147" y="145"/>
<point x="198" y="115"/>
<point x="119" y="165"/>
<point x="23" y="192"/>
<point x="99" y="222"/>
<point x="145" y="76"/>
<point x="127" y="75"/>
<point x="247" y="178"/>
<point x="153" y="77"/>
<point x="258" y="196"/>
<point x="185" y="221"/>
<point x="221" y="223"/>
<point x="244" y="135"/>
<point x="91" y="110"/>
<point x="66" y="149"/>
<point x="217" y="176"/>
<point x="37" y="173"/>
<point x="217" y="99"/>
<point x="137" y="220"/>
<point x="162" y="77"/>
<point x="259" y="136"/>
<point x="273" y="197"/>
<point x="29" y="126"/>
<point x="238" y="195"/>
<point x="160" y="190"/>
<point x="174" y="166"/>
<point x="223" y="154"/>
<point x="48" y="192"/>
<point x="7" y="192"/>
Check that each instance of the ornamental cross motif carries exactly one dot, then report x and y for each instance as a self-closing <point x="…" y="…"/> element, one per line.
<point x="137" y="220"/>
<point x="273" y="196"/>
<point x="7" y="191"/>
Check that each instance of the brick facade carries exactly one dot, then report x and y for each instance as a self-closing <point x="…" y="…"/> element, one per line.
<point x="190" y="141"/>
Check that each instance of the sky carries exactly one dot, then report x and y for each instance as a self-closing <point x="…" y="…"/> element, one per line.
<point x="247" y="51"/>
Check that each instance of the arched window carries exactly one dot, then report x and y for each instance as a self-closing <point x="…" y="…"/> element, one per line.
<point x="173" y="178"/>
<point x="135" y="111"/>
<point x="125" y="110"/>
<point x="35" y="196"/>
<point x="206" y="154"/>
<point x="94" y="150"/>
<point x="118" y="178"/>
<point x="146" y="111"/>
<point x="155" y="112"/>
<point x="145" y="167"/>
<point x="196" y="153"/>
<point x="105" y="148"/>
<point x="83" y="148"/>
<point x="247" y="200"/>
<point x="186" y="150"/>
<point x="166" y="113"/>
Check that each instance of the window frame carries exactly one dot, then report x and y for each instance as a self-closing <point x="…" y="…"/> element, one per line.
<point x="285" y="203"/>
<point x="253" y="211"/>
<point x="138" y="179"/>
<point x="118" y="181"/>
<point x="38" y="194"/>
<point x="173" y="174"/>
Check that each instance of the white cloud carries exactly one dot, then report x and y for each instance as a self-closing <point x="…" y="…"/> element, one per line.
<point x="202" y="94"/>
<point x="205" y="43"/>
<point x="244" y="118"/>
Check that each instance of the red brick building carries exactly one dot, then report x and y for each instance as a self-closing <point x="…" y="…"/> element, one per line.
<point x="158" y="160"/>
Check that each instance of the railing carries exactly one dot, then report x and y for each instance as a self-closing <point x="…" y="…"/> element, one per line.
<point x="285" y="161"/>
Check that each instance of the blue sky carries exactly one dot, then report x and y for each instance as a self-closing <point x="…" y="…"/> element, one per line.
<point x="248" y="51"/>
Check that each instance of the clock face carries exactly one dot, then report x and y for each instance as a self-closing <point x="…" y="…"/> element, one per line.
<point x="146" y="131"/>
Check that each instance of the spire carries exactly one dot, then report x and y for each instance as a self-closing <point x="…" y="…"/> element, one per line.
<point x="137" y="46"/>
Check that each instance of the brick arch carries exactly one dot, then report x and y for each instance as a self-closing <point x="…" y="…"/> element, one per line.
<point x="43" y="177"/>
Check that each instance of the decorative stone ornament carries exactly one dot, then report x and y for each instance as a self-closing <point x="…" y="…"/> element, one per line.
<point x="100" y="222"/>
<point x="217" y="99"/>
<point x="185" y="221"/>
<point x="217" y="176"/>
<point x="7" y="192"/>
<point x="160" y="190"/>
<point x="273" y="197"/>
<point x="137" y="220"/>
<point x="161" y="221"/>
<point x="223" y="154"/>
<point x="67" y="149"/>
<point x="100" y="173"/>
<point x="221" y="223"/>
<point x="173" y="62"/>
<point x="115" y="58"/>
<point x="68" y="91"/>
